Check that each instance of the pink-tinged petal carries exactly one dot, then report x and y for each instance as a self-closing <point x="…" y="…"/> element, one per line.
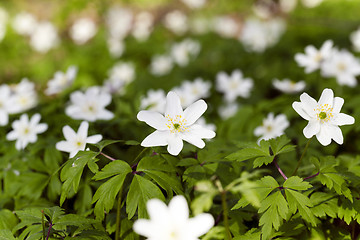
<point x="308" y="104"/>
<point x="178" y="209"/>
<point x="312" y="128"/>
<point x="94" y="139"/>
<point x="194" y="112"/>
<point x="69" y="133"/>
<point x="173" y="105"/>
<point x="143" y="227"/>
<point x="153" y="119"/>
<point x="336" y="134"/>
<point x="297" y="106"/>
<point x="40" y="128"/>
<point x="83" y="130"/>
<point x="201" y="132"/>
<point x="201" y="224"/>
<point x="327" y="97"/>
<point x="338" y="103"/>
<point x="175" y="145"/>
<point x="343" y="119"/>
<point x="157" y="138"/>
<point x="193" y="139"/>
<point x="324" y="136"/>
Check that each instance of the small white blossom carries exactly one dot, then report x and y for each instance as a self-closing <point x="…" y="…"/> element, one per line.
<point x="24" y="96"/>
<point x="355" y="39"/>
<point x="119" y="22"/>
<point x="272" y="127"/>
<point x="76" y="142"/>
<point x="172" y="222"/>
<point x="233" y="85"/>
<point x="3" y="22"/>
<point x="120" y="75"/>
<point x="161" y="65"/>
<point x="89" y="106"/>
<point x="226" y="27"/>
<point x="83" y="30"/>
<point x="311" y="3"/>
<point x="24" y="23"/>
<point x="176" y="21"/>
<point x="344" y="66"/>
<point x="324" y="116"/>
<point x="287" y="5"/>
<point x="194" y="4"/>
<point x="25" y="131"/>
<point x="44" y="37"/>
<point x="176" y="125"/>
<point x="61" y="81"/>
<point x="228" y="110"/>
<point x="200" y="25"/>
<point x="288" y="86"/>
<point x="313" y="58"/>
<point x="155" y="101"/>
<point x="182" y="52"/>
<point x="6" y="104"/>
<point x="143" y="26"/>
<point x="116" y="47"/>
<point x="189" y="91"/>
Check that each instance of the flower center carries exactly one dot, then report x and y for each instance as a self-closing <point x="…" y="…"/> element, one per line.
<point x="268" y="128"/>
<point x="78" y="143"/>
<point x="176" y="124"/>
<point x="324" y="113"/>
<point x="341" y="67"/>
<point x="318" y="57"/>
<point x="26" y="131"/>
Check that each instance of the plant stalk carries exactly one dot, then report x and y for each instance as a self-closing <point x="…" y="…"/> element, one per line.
<point x="107" y="156"/>
<point x="118" y="216"/>
<point x="48" y="233"/>
<point x="225" y="214"/>
<point x="302" y="156"/>
<point x="312" y="176"/>
<point x="279" y="169"/>
<point x="43" y="224"/>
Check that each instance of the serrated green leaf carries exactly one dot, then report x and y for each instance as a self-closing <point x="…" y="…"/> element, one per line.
<point x="333" y="180"/>
<point x="141" y="190"/>
<point x="113" y="168"/>
<point x="74" y="220"/>
<point x="258" y="162"/>
<point x="316" y="163"/>
<point x="349" y="211"/>
<point x="280" y="145"/>
<point x="296" y="183"/>
<point x="266" y="185"/>
<point x="101" y="145"/>
<point x="240" y="204"/>
<point x="300" y="202"/>
<point x="246" y="154"/>
<point x="6" y="234"/>
<point x="324" y="204"/>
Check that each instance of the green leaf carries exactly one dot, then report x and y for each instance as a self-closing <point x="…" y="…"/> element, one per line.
<point x="280" y="145"/>
<point x="349" y="211"/>
<point x="32" y="184"/>
<point x="296" y="183"/>
<point x="8" y="220"/>
<point x="6" y="234"/>
<point x="141" y="190"/>
<point x="240" y="204"/>
<point x="333" y="180"/>
<point x="316" y="163"/>
<point x="258" y="162"/>
<point x="324" y="204"/>
<point x="300" y="202"/>
<point x="266" y="185"/>
<point x="246" y="154"/>
<point x="101" y="145"/>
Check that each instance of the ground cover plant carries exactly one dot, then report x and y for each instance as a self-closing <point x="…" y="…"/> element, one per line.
<point x="191" y="119"/>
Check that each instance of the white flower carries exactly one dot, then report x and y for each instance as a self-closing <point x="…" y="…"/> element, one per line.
<point x="225" y="26"/>
<point x="119" y="21"/>
<point x="324" y="116"/>
<point x="161" y="65"/>
<point x="89" y="106"/>
<point x="61" y="81"/>
<point x="25" y="131"/>
<point x="287" y="5"/>
<point x="176" y="125"/>
<point x="313" y="58"/>
<point x="200" y="25"/>
<point x="272" y="127"/>
<point x="189" y="92"/>
<point x="342" y="65"/>
<point x="76" y="142"/>
<point x="6" y="104"/>
<point x="116" y="47"/>
<point x="120" y="75"/>
<point x="355" y="39"/>
<point x="44" y="37"/>
<point x="24" y="96"/>
<point x="288" y="86"/>
<point x="176" y="21"/>
<point x="228" y="110"/>
<point x="143" y="26"/>
<point x="3" y="22"/>
<point x="24" y="23"/>
<point x="155" y="101"/>
<point x="311" y="3"/>
<point x="173" y="222"/>
<point x="233" y="85"/>
<point x="194" y="4"/>
<point x="201" y="121"/>
<point x="83" y="30"/>
<point x="182" y="52"/>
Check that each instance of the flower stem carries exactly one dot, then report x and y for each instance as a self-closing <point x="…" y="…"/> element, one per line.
<point x="48" y="233"/>
<point x="225" y="214"/>
<point x="107" y="156"/>
<point x="118" y="216"/>
<point x="302" y="156"/>
<point x="43" y="224"/>
<point x="312" y="176"/>
<point x="279" y="169"/>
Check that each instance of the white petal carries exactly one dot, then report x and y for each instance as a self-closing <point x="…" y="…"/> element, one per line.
<point x="12" y="136"/>
<point x="69" y="133"/>
<point x="94" y="138"/>
<point x="64" y="146"/>
<point x="179" y="209"/>
<point x="201" y="132"/>
<point x="153" y="119"/>
<point x="298" y="107"/>
<point x="18" y="144"/>
<point x="35" y="119"/>
<point x="157" y="138"/>
<point x="312" y="128"/>
<point x="143" y="227"/>
<point x="157" y="210"/>
<point x="336" y="134"/>
<point x="338" y="103"/>
<point x="173" y="105"/>
<point x="40" y="128"/>
<point x="323" y="136"/>
<point x="201" y="224"/>
<point x="259" y="131"/>
<point x="105" y="114"/>
<point x="74" y="152"/>
<point x="327" y="97"/>
<point x="194" y="111"/>
<point x="308" y="104"/>
<point x="4" y="118"/>
<point x="343" y="119"/>
<point x="175" y="145"/>
<point x="83" y="130"/>
<point x="193" y="139"/>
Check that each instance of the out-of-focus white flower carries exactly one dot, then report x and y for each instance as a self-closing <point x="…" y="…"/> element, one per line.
<point x="176" y="21"/>
<point x="311" y="3"/>
<point x="189" y="91"/>
<point x="24" y="96"/>
<point x="161" y="65"/>
<point x="194" y="4"/>
<point x="176" y="125"/>
<point x="3" y="22"/>
<point x="44" y="37"/>
<point x="342" y="65"/>
<point x="324" y="116"/>
<point x="272" y="127"/>
<point x="172" y="222"/>
<point x="89" y="106"/>
<point x="288" y="86"/>
<point x="143" y="26"/>
<point x="355" y="39"/>
<point x="258" y="35"/>
<point x="200" y="25"/>
<point x="24" y="23"/>
<point x="83" y="30"/>
<point x="119" y="22"/>
<point x="76" y="142"/>
<point x="182" y="52"/>
<point x="287" y="5"/>
<point x="313" y="58"/>
<point x="233" y="85"/>
<point x="116" y="47"/>
<point x="61" y="81"/>
<point x="228" y="110"/>
<point x="155" y="100"/>
<point x="226" y="27"/>
<point x="119" y="76"/>
<point x="25" y="131"/>
<point x="6" y="104"/>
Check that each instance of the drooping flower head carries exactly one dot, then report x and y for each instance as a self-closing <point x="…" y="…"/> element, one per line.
<point x="172" y="222"/>
<point x="176" y="125"/>
<point x="324" y="116"/>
